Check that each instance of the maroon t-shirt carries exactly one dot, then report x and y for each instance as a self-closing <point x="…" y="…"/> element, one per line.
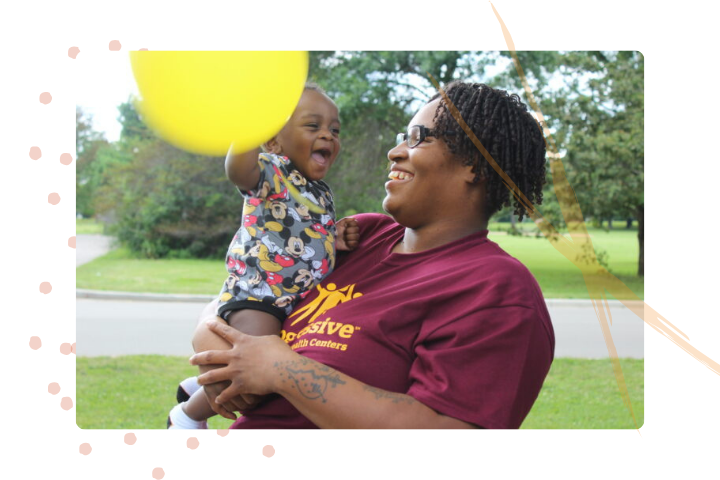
<point x="462" y="328"/>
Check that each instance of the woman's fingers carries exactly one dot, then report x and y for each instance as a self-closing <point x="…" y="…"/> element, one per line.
<point x="226" y="409"/>
<point x="225" y="331"/>
<point x="228" y="393"/>
<point x="213" y="376"/>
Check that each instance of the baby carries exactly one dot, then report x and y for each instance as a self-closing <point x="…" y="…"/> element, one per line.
<point x="288" y="238"/>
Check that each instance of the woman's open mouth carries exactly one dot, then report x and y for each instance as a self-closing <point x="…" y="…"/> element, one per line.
<point x="400" y="176"/>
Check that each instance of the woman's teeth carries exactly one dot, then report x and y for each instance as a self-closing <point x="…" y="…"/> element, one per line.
<point x="398" y="175"/>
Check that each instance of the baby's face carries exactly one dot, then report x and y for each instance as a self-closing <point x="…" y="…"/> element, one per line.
<point x="311" y="138"/>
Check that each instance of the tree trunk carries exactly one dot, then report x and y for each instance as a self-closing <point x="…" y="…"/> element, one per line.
<point x="610" y="223"/>
<point x="629" y="223"/>
<point x="513" y="221"/>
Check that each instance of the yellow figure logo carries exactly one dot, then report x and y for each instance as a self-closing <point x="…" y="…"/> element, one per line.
<point x="326" y="299"/>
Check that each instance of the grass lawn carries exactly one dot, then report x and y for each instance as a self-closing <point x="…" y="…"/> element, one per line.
<point x="119" y="270"/>
<point x="557" y="276"/>
<point x="135" y="392"/>
<point x="87" y="226"/>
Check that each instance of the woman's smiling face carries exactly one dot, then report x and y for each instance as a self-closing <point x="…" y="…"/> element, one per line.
<point x="427" y="181"/>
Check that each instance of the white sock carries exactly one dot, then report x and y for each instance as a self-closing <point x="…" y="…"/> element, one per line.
<point x="190" y="385"/>
<point x="178" y="419"/>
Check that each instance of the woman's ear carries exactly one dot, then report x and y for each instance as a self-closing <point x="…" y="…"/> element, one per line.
<point x="471" y="176"/>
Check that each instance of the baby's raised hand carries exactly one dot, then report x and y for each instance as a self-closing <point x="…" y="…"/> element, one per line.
<point x="348" y="234"/>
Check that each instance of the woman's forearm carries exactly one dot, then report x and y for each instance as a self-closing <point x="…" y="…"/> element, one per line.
<point x="331" y="399"/>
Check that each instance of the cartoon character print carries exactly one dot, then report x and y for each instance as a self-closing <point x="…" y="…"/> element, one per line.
<point x="297" y="246"/>
<point x="297" y="179"/>
<point x="278" y="213"/>
<point x="301" y="213"/>
<point x="303" y="281"/>
<point x="282" y="248"/>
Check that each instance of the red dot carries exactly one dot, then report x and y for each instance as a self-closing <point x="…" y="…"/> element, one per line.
<point x="35" y="343"/>
<point x="66" y="403"/>
<point x="130" y="438"/>
<point x="192" y="443"/>
<point x="53" y="388"/>
<point x="66" y="159"/>
<point x="35" y="153"/>
<point x="85" y="449"/>
<point x="114" y="46"/>
<point x="73" y="52"/>
<point x="45" y="288"/>
<point x="54" y="198"/>
<point x="71" y="242"/>
<point x="268" y="451"/>
<point x="45" y="98"/>
<point x="158" y="473"/>
<point x="65" y="349"/>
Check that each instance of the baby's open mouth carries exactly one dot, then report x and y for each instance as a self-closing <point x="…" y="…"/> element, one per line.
<point x="322" y="155"/>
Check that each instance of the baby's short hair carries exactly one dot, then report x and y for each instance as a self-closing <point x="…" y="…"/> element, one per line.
<point x="308" y="86"/>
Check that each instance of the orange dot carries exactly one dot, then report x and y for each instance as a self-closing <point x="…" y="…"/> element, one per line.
<point x="35" y="153"/>
<point x="193" y="443"/>
<point x="45" y="98"/>
<point x="65" y="349"/>
<point x="53" y="198"/>
<point x="53" y="388"/>
<point x="223" y="432"/>
<point x="66" y="403"/>
<point x="268" y="451"/>
<point x="72" y="52"/>
<point x="130" y="438"/>
<point x="66" y="159"/>
<point x="71" y="242"/>
<point x="85" y="449"/>
<point x="35" y="343"/>
<point x="114" y="46"/>
<point x="158" y="473"/>
<point x="45" y="288"/>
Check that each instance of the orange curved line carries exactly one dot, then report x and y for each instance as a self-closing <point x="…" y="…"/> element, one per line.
<point x="506" y="33"/>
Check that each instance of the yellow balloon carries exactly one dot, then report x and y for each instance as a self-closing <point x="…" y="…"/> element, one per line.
<point x="205" y="101"/>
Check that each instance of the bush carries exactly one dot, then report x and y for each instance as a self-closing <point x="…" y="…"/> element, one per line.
<point x="170" y="203"/>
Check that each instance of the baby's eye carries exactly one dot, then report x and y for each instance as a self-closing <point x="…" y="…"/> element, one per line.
<point x="336" y="131"/>
<point x="312" y="125"/>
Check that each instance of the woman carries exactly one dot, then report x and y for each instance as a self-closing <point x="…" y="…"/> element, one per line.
<point x="427" y="324"/>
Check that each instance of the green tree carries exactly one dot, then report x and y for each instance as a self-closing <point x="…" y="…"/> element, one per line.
<point x="88" y="142"/>
<point x="164" y="202"/>
<point x="592" y="100"/>
<point x="594" y="104"/>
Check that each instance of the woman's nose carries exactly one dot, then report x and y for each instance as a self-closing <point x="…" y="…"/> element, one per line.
<point x="398" y="152"/>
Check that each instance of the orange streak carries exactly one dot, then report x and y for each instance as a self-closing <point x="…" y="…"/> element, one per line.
<point x="596" y="277"/>
<point x="506" y="33"/>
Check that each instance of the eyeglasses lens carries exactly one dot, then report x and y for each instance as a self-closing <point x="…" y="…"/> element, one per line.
<point x="413" y="136"/>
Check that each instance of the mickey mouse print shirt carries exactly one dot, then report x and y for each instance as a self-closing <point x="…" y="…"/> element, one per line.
<point x="285" y="245"/>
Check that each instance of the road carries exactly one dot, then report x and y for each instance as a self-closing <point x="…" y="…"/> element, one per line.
<point x="117" y="327"/>
<point x="124" y="327"/>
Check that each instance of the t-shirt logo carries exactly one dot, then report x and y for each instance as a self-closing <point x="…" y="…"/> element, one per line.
<point x="327" y="298"/>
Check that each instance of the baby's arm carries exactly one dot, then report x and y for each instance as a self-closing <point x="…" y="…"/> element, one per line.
<point x="348" y="234"/>
<point x="242" y="168"/>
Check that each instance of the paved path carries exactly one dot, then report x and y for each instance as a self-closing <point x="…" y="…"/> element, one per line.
<point x="130" y="324"/>
<point x="89" y="247"/>
<point x="131" y="327"/>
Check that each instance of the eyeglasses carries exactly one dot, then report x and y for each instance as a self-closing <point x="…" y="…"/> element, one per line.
<point x="416" y="134"/>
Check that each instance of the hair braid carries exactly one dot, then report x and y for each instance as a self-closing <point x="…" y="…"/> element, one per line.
<point x="509" y="133"/>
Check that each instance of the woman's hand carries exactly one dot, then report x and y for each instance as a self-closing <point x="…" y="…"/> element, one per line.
<point x="237" y="404"/>
<point x="249" y="362"/>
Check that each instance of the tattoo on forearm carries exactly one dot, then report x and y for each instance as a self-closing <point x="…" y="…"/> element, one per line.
<point x="311" y="379"/>
<point x="394" y="397"/>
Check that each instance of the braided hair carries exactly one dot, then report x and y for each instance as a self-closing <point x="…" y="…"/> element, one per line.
<point x="508" y="132"/>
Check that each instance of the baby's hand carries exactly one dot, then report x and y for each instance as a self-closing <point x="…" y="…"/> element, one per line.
<point x="348" y="234"/>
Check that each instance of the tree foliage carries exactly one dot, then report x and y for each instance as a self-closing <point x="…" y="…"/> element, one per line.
<point x="593" y="103"/>
<point x="166" y="202"/>
<point x="88" y="143"/>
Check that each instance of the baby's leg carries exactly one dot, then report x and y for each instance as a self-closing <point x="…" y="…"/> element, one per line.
<point x="254" y="322"/>
<point x="257" y="323"/>
<point x="198" y="407"/>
